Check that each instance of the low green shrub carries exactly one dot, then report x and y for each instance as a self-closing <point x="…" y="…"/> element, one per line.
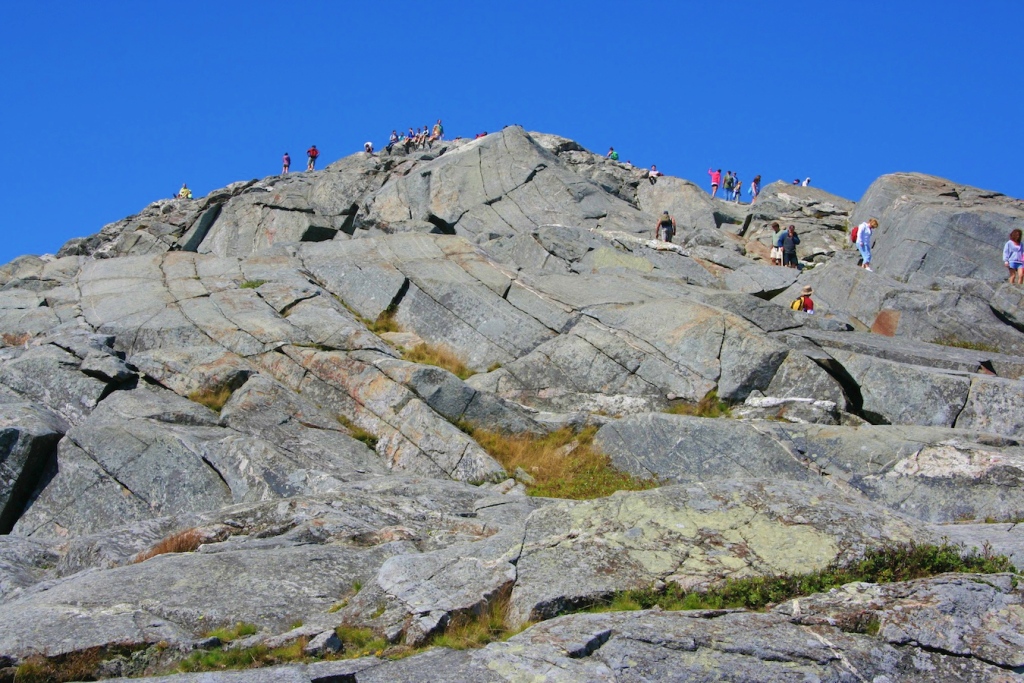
<point x="709" y="406"/>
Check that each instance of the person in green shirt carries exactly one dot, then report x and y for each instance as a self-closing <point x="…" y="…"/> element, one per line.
<point x="612" y="154"/>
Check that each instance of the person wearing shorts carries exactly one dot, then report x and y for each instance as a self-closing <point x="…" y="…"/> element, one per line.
<point x="776" y="253"/>
<point x="1013" y="257"/>
<point x="716" y="178"/>
<point x="665" y="228"/>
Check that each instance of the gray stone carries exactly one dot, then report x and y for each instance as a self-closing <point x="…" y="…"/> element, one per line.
<point x="994" y="405"/>
<point x="764" y="281"/>
<point x="50" y="376"/>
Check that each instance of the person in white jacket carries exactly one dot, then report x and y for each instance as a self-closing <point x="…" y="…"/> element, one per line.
<point x="864" y="231"/>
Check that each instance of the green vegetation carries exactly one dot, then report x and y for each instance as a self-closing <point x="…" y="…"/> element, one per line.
<point x="253" y="284"/>
<point x="212" y="398"/>
<point x="358" y="433"/>
<point x="441" y="356"/>
<point x="239" y="630"/>
<point x="360" y="642"/>
<point x="385" y="322"/>
<point x="243" y="658"/>
<point x="466" y="631"/>
<point x="564" y="464"/>
<point x="709" y="406"/>
<point x="890" y="563"/>
<point x="76" y="666"/>
<point x="950" y="340"/>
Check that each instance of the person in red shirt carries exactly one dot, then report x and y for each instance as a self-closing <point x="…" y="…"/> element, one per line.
<point x="716" y="178"/>
<point x="311" y="154"/>
<point x="804" y="302"/>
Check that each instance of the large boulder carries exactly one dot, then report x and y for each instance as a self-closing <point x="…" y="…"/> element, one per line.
<point x="930" y="227"/>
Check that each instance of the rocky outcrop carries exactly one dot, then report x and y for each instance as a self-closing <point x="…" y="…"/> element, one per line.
<point x="210" y="418"/>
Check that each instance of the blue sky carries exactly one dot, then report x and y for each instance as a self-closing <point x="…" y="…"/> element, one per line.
<point x="106" y="110"/>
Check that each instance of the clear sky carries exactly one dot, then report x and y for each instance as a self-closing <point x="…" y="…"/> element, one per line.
<point x="108" y="106"/>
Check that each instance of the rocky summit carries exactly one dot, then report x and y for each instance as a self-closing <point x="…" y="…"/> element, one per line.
<point x="219" y="436"/>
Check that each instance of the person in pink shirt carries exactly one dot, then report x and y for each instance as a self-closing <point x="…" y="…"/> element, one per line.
<point x="716" y="178"/>
<point x="286" y="163"/>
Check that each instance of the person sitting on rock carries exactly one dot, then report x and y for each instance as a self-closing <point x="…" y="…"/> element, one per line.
<point x="392" y="141"/>
<point x="184" y="192"/>
<point x="654" y="174"/>
<point x="368" y="147"/>
<point x="716" y="178"/>
<point x="807" y="181"/>
<point x="804" y="302"/>
<point x="481" y="135"/>
<point x="612" y="154"/>
<point x="789" y="241"/>
<point x="776" y="253"/>
<point x="1013" y="257"/>
<point x="438" y="132"/>
<point x="665" y="228"/>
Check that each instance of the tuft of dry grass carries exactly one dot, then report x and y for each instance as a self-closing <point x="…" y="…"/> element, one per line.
<point x="385" y="322"/>
<point x="74" y="666"/>
<point x="709" y="406"/>
<point x="441" y="356"/>
<point x="11" y="339"/>
<point x="358" y="433"/>
<point x="212" y="398"/>
<point x="564" y="464"/>
<point x="187" y="541"/>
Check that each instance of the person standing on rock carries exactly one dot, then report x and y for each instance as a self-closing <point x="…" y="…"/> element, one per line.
<point x="737" y="189"/>
<point x="1013" y="258"/>
<point x="665" y="228"/>
<point x="807" y="181"/>
<point x="755" y="188"/>
<point x="789" y="241"/>
<point x="727" y="184"/>
<point x="286" y="163"/>
<point x="311" y="155"/>
<point x="864" y="231"/>
<point x="776" y="253"/>
<point x="716" y="178"/>
<point x="438" y="133"/>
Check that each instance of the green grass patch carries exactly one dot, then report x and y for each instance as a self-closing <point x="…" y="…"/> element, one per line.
<point x="564" y="463"/>
<point x="709" y="406"/>
<point x="360" y="642"/>
<point x="950" y="340"/>
<point x="440" y="356"/>
<point x="239" y="630"/>
<point x="253" y="284"/>
<point x="888" y="564"/>
<point x="244" y="658"/>
<point x="358" y="433"/>
<point x="473" y="630"/>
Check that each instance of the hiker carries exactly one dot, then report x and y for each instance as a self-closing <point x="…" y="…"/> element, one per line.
<point x="776" y="253"/>
<point x="736" y="189"/>
<point x="438" y="133"/>
<point x="654" y="174"/>
<point x="311" y="154"/>
<point x="612" y="154"/>
<point x="755" y="188"/>
<point x="864" y="231"/>
<point x="716" y="177"/>
<point x="728" y="183"/>
<point x="665" y="228"/>
<point x="1013" y="257"/>
<point x="392" y="141"/>
<point x="184" y="192"/>
<point x="804" y="302"/>
<point x="796" y="181"/>
<point x="807" y="181"/>
<point x="368" y="147"/>
<point x="286" y="163"/>
<point x="481" y="135"/>
<point x="788" y="242"/>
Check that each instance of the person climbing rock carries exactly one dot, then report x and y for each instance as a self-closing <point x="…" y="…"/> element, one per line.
<point x="1013" y="257"/>
<point x="665" y="228"/>
<point x="612" y="154"/>
<point x="311" y="155"/>
<point x="789" y="241"/>
<point x="716" y="178"/>
<point x="184" y="192"/>
<point x="286" y="163"/>
<point x="864" y="231"/>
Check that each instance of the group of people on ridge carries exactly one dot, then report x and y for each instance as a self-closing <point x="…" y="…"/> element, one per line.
<point x="733" y="185"/>
<point x="421" y="137"/>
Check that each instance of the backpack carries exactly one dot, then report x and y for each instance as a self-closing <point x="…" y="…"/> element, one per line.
<point x="798" y="304"/>
<point x="314" y="152"/>
<point x="729" y="181"/>
<point x="853" y="233"/>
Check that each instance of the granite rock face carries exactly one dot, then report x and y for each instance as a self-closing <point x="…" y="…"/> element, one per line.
<point x="214" y="412"/>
